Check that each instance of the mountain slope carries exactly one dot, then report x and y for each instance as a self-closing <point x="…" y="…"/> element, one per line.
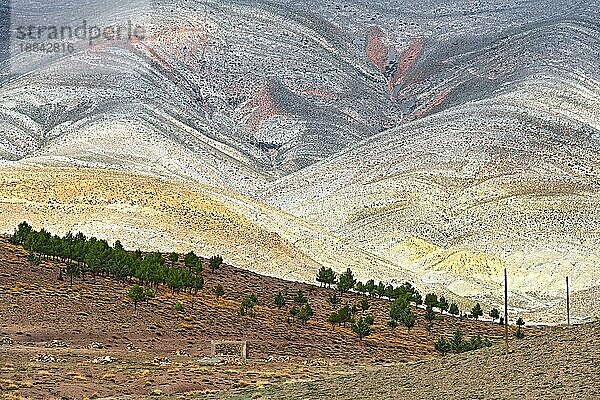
<point x="426" y="141"/>
<point x="512" y="177"/>
<point x="526" y="371"/>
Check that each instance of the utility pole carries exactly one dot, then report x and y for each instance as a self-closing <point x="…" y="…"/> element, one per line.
<point x="506" y="310"/>
<point x="568" y="305"/>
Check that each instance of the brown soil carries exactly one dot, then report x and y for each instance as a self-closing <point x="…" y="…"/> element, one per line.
<point x="36" y="308"/>
<point x="563" y="364"/>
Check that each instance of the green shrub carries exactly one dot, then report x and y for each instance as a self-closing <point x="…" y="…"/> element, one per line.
<point x="137" y="294"/>
<point x="248" y="304"/>
<point x="279" y="300"/>
<point x="300" y="298"/>
<point x="334" y="300"/>
<point x="305" y="313"/>
<point x="457" y="344"/>
<point x="219" y="291"/>
<point x="178" y="307"/>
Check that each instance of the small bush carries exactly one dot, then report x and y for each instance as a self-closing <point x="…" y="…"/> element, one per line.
<point x="300" y="298"/>
<point x="519" y="333"/>
<point x="248" y="304"/>
<point x="279" y="300"/>
<point x="178" y="307"/>
<point x="334" y="300"/>
<point x="219" y="291"/>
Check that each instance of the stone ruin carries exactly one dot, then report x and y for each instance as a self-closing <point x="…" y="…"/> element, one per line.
<point x="228" y="349"/>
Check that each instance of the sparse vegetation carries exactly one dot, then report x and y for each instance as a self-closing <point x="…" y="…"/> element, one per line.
<point x="334" y="299"/>
<point x="300" y="298"/>
<point x="457" y="343"/>
<point x="148" y="271"/>
<point x="178" y="307"/>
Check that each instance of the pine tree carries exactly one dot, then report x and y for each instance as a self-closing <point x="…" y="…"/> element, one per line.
<point x="215" y="263"/>
<point x="431" y="300"/>
<point x="279" y="300"/>
<point x="148" y="294"/>
<point x="519" y="333"/>
<point x="219" y="291"/>
<point x="429" y="315"/>
<point x="322" y="276"/>
<point x="360" y="288"/>
<point x="137" y="294"/>
<point x="305" y="313"/>
<point x="346" y="281"/>
<point x="380" y="290"/>
<point x="476" y="311"/>
<point x="443" y="304"/>
<point x="334" y="319"/>
<point x="300" y="298"/>
<point x="361" y="328"/>
<point x="397" y="309"/>
<point x="326" y="277"/>
<point x="494" y="314"/>
<point x="364" y="304"/>
<point x="190" y="260"/>
<point x="173" y="257"/>
<point x="454" y="309"/>
<point x="248" y="304"/>
<point x="342" y="316"/>
<point x="72" y="270"/>
<point x="370" y="287"/>
<point x="334" y="299"/>
<point x="408" y="319"/>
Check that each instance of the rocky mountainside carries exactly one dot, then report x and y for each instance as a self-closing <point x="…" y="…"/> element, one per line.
<point x="432" y="141"/>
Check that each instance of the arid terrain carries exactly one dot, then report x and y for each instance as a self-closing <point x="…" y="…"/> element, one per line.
<point x="431" y="141"/>
<point x="563" y="363"/>
<point x="57" y="337"/>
